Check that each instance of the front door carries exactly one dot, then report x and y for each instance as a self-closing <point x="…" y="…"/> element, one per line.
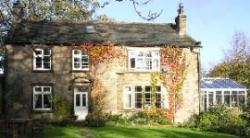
<point x="80" y="103"/>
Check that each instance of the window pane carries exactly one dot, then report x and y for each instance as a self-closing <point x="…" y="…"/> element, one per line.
<point x="128" y="100"/>
<point x="158" y="100"/>
<point x="205" y="100"/>
<point x="47" y="101"/>
<point x="84" y="100"/>
<point x="132" y="63"/>
<point x="148" y="89"/>
<point x="140" y="63"/>
<point x="241" y="100"/>
<point x="38" y="62"/>
<point x="38" y="52"/>
<point x="211" y="98"/>
<point x="155" y="64"/>
<point x="148" y="99"/>
<point x="38" y="101"/>
<point x="227" y="100"/>
<point x="38" y="89"/>
<point x="46" y="89"/>
<point x="47" y="62"/>
<point x="234" y="98"/>
<point x="149" y="64"/>
<point x="218" y="99"/>
<point x="138" y="100"/>
<point x="77" y="99"/>
<point x="76" y="52"/>
<point x="158" y="88"/>
<point x="138" y="88"/>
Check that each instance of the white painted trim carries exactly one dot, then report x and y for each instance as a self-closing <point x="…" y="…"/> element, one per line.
<point x="143" y="67"/>
<point x="80" y="57"/>
<point x="42" y="56"/>
<point x="125" y="92"/>
<point x="41" y="93"/>
<point x="223" y="89"/>
<point x="143" y="48"/>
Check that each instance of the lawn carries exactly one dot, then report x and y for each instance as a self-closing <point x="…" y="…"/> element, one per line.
<point x="127" y="132"/>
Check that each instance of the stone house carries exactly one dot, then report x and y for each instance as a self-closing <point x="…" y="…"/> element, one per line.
<point x="133" y="66"/>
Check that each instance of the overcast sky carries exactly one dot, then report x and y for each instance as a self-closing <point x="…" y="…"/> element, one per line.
<point x="213" y="22"/>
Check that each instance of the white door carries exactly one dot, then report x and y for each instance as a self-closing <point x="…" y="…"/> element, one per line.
<point x="80" y="104"/>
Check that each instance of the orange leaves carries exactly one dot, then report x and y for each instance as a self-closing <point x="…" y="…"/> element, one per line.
<point x="101" y="53"/>
<point x="173" y="59"/>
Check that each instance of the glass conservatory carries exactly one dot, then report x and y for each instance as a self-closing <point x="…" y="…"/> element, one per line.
<point x="218" y="91"/>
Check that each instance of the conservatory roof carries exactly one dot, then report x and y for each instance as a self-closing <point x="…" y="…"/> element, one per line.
<point x="220" y="83"/>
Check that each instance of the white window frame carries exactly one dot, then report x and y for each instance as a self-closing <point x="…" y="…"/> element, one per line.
<point x="164" y="96"/>
<point x="42" y="56"/>
<point x="142" y="61"/>
<point x="79" y="56"/>
<point x="149" y="104"/>
<point x="206" y="93"/>
<point x="126" y="93"/>
<point x="42" y="92"/>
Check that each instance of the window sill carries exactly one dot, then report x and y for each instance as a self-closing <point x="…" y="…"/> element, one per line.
<point x="42" y="110"/>
<point x="42" y="71"/>
<point x="80" y="70"/>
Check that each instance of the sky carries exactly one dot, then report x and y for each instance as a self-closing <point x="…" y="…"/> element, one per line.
<point x="213" y="22"/>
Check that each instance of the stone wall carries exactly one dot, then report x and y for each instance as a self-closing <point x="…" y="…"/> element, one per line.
<point x="113" y="76"/>
<point x="190" y="90"/>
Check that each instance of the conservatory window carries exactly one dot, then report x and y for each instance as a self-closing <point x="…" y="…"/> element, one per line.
<point x="148" y="60"/>
<point x="234" y="99"/>
<point x="218" y="97"/>
<point x="227" y="98"/>
<point x="242" y="98"/>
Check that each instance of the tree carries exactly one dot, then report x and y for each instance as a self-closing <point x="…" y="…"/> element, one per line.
<point x="236" y="64"/>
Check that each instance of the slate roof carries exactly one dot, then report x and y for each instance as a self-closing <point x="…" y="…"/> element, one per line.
<point x="220" y="83"/>
<point x="132" y="34"/>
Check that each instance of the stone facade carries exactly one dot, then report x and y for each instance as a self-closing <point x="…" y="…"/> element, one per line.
<point x="112" y="77"/>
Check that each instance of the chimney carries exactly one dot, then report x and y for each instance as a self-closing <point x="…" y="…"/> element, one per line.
<point x="18" y="11"/>
<point x="181" y="21"/>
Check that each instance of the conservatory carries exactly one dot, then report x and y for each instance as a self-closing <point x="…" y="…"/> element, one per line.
<point x="222" y="91"/>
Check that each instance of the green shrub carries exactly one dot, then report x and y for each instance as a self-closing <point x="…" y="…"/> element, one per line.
<point x="144" y="118"/>
<point x="62" y="108"/>
<point x="222" y="119"/>
<point x="96" y="120"/>
<point x="117" y="120"/>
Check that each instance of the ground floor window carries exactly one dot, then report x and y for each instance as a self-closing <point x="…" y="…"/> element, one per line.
<point x="229" y="98"/>
<point x="142" y="96"/>
<point x="42" y="98"/>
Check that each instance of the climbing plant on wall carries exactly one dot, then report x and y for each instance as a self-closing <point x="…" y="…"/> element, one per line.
<point x="174" y="59"/>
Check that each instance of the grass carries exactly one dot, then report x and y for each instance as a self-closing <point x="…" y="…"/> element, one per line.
<point x="127" y="132"/>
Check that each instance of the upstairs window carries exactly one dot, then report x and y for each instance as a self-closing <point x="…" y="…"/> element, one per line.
<point x="148" y="60"/>
<point x="42" y="98"/>
<point x="80" y="60"/>
<point x="42" y="59"/>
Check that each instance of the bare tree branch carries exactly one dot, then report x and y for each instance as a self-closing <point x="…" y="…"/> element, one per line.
<point x="151" y="15"/>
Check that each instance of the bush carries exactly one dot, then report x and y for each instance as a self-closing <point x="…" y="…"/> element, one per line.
<point x="96" y="120"/>
<point x="62" y="108"/>
<point x="117" y="120"/>
<point x="150" y="118"/>
<point x="222" y="119"/>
